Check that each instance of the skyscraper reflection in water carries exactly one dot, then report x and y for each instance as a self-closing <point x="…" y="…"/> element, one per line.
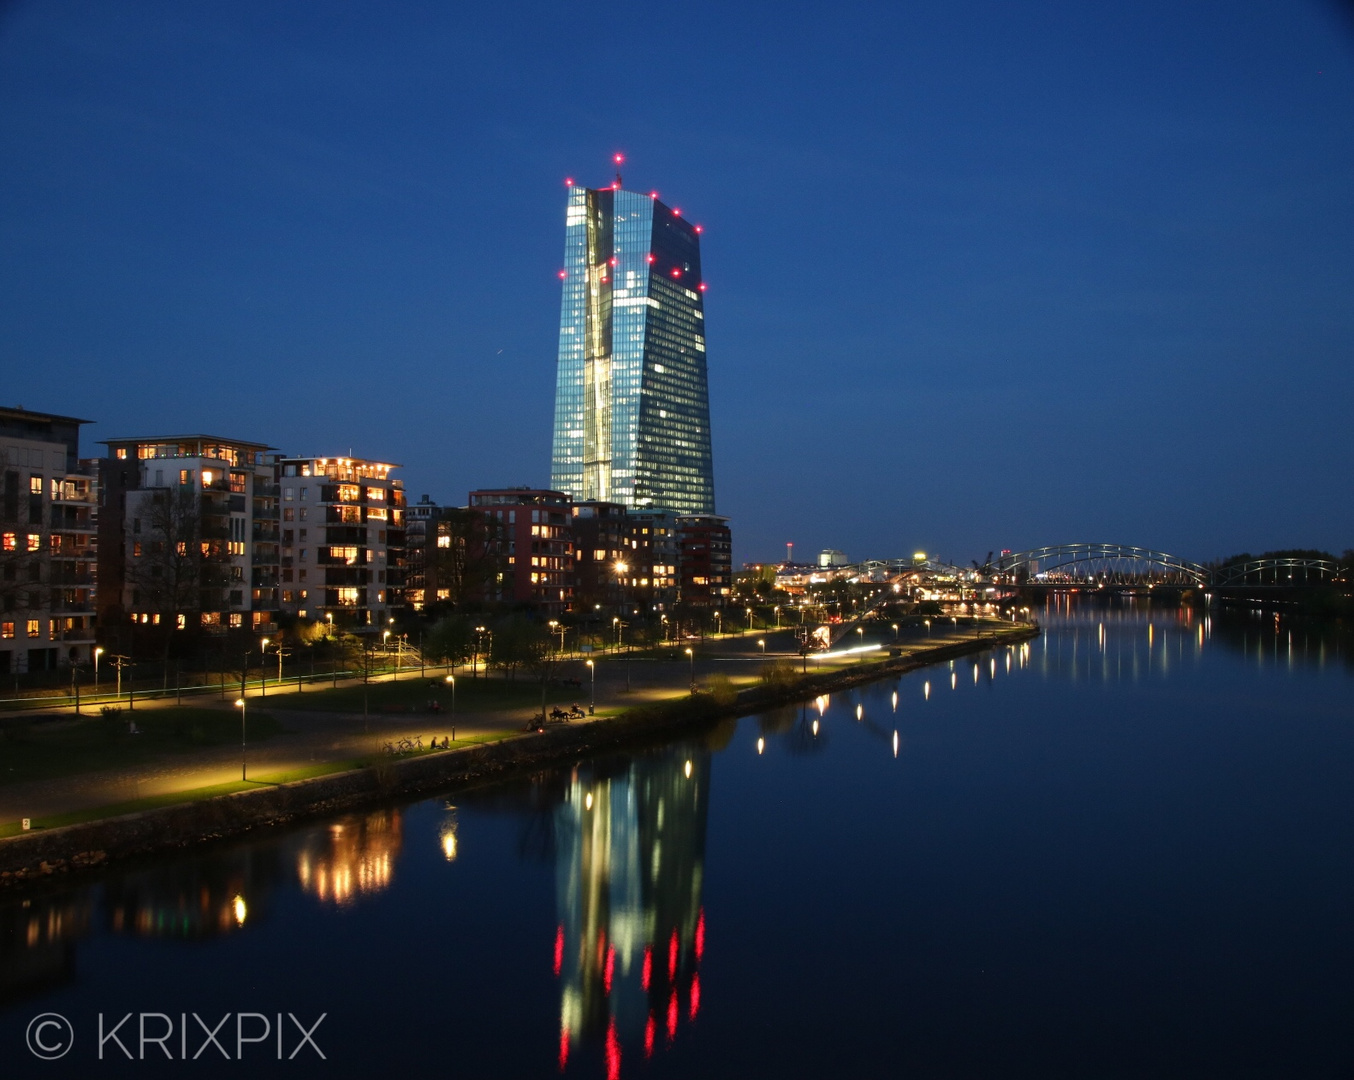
<point x="630" y="855"/>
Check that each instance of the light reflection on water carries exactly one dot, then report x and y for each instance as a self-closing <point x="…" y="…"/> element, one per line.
<point x="560" y="924"/>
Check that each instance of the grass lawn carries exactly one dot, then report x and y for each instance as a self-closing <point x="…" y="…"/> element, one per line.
<point x="41" y="751"/>
<point x="412" y="694"/>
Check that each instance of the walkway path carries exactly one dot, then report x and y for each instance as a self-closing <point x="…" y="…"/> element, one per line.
<point x="312" y="739"/>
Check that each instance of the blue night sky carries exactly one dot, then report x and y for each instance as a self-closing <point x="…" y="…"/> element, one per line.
<point x="981" y="274"/>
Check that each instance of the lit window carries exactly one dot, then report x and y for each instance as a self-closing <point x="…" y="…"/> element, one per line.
<point x="35" y="485"/>
<point x="34" y="627"/>
<point x="6" y="630"/>
<point x="34" y="542"/>
<point x="11" y="541"/>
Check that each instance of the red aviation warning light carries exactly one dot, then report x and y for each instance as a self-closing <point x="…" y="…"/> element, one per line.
<point x="701" y="286"/>
<point x="563" y="274"/>
<point x="676" y="271"/>
<point x="612" y="260"/>
<point x="676" y="212"/>
<point x="649" y="258"/>
<point x="653" y="194"/>
<point x="700" y="228"/>
<point x="568" y="181"/>
<point x="619" y="159"/>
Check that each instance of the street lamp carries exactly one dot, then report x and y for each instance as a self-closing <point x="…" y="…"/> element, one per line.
<point x="244" y="765"/>
<point x="592" y="674"/>
<point x="777" y="610"/>
<point x="928" y="627"/>
<point x="719" y="622"/>
<point x="263" y="672"/>
<point x="451" y="681"/>
<point x="97" y="653"/>
<point x="895" y="631"/>
<point x="762" y="643"/>
<point x="691" y="656"/>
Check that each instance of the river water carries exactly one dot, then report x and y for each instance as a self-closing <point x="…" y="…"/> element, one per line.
<point x="1123" y="849"/>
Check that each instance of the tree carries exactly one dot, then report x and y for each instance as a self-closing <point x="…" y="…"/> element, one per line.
<point x="451" y="639"/>
<point x="178" y="563"/>
<point x="464" y="556"/>
<point x="519" y="641"/>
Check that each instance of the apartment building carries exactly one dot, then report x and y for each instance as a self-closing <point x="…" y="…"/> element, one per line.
<point x="187" y="535"/>
<point x="343" y="538"/>
<point x="48" y="551"/>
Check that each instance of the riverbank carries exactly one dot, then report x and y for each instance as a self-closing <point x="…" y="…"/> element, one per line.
<point x="44" y="853"/>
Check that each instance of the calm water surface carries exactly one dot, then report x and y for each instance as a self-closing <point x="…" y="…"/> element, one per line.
<point x="1121" y="850"/>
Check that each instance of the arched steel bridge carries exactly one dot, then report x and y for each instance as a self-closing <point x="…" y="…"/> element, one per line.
<point x="1121" y="566"/>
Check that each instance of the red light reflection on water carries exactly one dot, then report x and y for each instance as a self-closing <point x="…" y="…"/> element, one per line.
<point x="649" y="1027"/>
<point x="700" y="934"/>
<point x="672" y="1016"/>
<point x="695" y="995"/>
<point x="563" y="1048"/>
<point x="559" y="950"/>
<point x="672" y="957"/>
<point x="646" y="971"/>
<point x="613" y="1052"/>
<point x="609" y="970"/>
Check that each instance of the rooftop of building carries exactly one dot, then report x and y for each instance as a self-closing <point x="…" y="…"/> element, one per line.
<point x="19" y="413"/>
<point x="340" y="468"/>
<point x="199" y="441"/>
<point x="518" y="496"/>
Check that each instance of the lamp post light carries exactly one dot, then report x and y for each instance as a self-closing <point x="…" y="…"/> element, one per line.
<point x="777" y="610"/>
<point x="98" y="652"/>
<point x="761" y="642"/>
<point x="244" y="762"/>
<point x="749" y="618"/>
<point x="263" y="671"/>
<point x="691" y="656"/>
<point x="475" y="655"/>
<point x="451" y="681"/>
<point x="928" y="626"/>
<point x="616" y="625"/>
<point x="895" y="631"/>
<point x="719" y="622"/>
<point x="592" y="675"/>
<point x="554" y="625"/>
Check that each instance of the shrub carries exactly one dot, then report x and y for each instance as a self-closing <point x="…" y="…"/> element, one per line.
<point x="778" y="675"/>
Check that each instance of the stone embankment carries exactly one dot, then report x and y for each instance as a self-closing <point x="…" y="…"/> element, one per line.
<point x="37" y="855"/>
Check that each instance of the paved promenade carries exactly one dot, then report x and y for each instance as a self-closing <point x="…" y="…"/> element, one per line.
<point x="312" y="739"/>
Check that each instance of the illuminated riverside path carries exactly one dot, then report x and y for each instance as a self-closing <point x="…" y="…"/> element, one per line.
<point x="1121" y="849"/>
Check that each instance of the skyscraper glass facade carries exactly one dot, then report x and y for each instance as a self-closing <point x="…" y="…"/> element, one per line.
<point x="632" y="412"/>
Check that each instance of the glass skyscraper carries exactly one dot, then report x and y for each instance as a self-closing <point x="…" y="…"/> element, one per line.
<point x="632" y="412"/>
